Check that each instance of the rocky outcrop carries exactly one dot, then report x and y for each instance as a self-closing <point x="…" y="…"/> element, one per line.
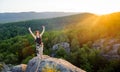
<point x="49" y="64"/>
<point x="5" y="68"/>
<point x="11" y="68"/>
<point x="19" y="68"/>
<point x="46" y="64"/>
<point x="110" y="47"/>
<point x="64" y="45"/>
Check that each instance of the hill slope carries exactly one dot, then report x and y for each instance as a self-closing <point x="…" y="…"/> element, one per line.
<point x="96" y="27"/>
<point x="21" y="28"/>
<point x="22" y="16"/>
<point x="85" y="24"/>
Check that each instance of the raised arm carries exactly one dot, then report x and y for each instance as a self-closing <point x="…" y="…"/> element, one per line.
<point x="31" y="33"/>
<point x="42" y="30"/>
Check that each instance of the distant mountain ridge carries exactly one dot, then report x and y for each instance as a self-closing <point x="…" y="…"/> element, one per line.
<point x="23" y="16"/>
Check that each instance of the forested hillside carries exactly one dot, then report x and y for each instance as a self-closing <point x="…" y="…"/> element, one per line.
<point x="80" y="31"/>
<point x="92" y="28"/>
<point x="9" y="30"/>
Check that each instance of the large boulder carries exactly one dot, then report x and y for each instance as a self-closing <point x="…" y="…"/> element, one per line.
<point x="50" y="64"/>
<point x="4" y="67"/>
<point x="11" y="68"/>
<point x="110" y="47"/>
<point x="19" y="68"/>
<point x="64" y="45"/>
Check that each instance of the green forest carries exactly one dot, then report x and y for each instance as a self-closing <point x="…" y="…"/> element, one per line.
<point x="80" y="31"/>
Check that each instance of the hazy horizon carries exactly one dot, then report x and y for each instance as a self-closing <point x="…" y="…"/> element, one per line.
<point x="80" y="6"/>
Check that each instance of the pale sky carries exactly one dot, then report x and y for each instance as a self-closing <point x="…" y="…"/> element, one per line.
<point x="92" y="6"/>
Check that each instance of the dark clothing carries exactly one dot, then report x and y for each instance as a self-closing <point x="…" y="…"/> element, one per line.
<point x="38" y="40"/>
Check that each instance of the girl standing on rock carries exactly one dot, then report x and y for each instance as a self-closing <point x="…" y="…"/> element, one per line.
<point x="38" y="40"/>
